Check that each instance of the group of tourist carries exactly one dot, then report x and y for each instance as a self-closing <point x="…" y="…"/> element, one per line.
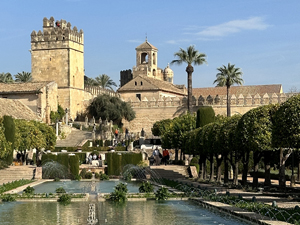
<point x="92" y="157"/>
<point x="161" y="158"/>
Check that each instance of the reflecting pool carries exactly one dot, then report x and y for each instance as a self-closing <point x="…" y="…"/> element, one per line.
<point x="131" y="213"/>
<point x="85" y="186"/>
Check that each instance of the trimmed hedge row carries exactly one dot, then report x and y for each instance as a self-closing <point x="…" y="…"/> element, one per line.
<point x="69" y="162"/>
<point x="116" y="161"/>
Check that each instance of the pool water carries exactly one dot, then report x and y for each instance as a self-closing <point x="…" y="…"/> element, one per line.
<point x="84" y="186"/>
<point x="131" y="213"/>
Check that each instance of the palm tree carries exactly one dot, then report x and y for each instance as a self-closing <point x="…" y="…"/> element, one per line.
<point x="191" y="56"/>
<point x="105" y="82"/>
<point x="228" y="76"/>
<point x="6" y="78"/>
<point x="90" y="81"/>
<point x="23" y="77"/>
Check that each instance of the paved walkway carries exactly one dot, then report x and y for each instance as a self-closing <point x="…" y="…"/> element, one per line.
<point x="76" y="138"/>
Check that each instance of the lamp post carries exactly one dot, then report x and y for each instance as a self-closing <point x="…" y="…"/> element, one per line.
<point x="56" y="126"/>
<point x="66" y="110"/>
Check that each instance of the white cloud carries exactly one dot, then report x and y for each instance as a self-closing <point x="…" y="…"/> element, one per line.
<point x="234" y="26"/>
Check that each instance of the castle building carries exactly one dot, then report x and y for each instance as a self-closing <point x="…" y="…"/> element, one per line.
<point x="57" y="55"/>
<point x="147" y="80"/>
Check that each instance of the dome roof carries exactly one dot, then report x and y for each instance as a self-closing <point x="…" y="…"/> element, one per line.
<point x="168" y="70"/>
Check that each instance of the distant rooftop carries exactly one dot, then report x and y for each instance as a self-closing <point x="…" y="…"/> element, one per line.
<point x="237" y="90"/>
<point x="17" y="110"/>
<point x="29" y="87"/>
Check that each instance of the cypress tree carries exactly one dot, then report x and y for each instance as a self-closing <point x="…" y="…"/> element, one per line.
<point x="10" y="133"/>
<point x="205" y="115"/>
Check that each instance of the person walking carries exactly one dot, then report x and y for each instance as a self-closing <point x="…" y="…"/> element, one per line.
<point x="156" y="156"/>
<point x="166" y="156"/>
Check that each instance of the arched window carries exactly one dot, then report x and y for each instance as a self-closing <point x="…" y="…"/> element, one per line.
<point x="144" y="58"/>
<point x="153" y="56"/>
<point x="135" y="83"/>
<point x="141" y="83"/>
<point x="154" y="72"/>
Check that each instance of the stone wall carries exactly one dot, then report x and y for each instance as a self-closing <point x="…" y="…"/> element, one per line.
<point x="150" y="111"/>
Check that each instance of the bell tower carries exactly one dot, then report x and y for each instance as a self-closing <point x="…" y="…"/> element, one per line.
<point x="57" y="55"/>
<point x="146" y="61"/>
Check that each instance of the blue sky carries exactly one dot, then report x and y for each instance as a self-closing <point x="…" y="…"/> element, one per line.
<point x="262" y="37"/>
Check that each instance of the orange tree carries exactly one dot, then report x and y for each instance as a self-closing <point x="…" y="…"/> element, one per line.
<point x="286" y="132"/>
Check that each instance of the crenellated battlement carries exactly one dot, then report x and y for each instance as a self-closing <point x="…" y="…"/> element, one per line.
<point x="57" y="31"/>
<point x="214" y="101"/>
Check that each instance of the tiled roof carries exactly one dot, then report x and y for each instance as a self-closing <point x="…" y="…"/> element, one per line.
<point x="146" y="45"/>
<point x="150" y="84"/>
<point x="29" y="87"/>
<point x="237" y="90"/>
<point x="17" y="110"/>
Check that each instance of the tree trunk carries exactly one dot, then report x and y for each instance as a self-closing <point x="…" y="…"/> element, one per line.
<point x="298" y="172"/>
<point x="212" y="166"/>
<point x="267" y="160"/>
<point x="236" y="173"/>
<point x="226" y="169"/>
<point x="245" y="167"/>
<point x="189" y="70"/>
<point x="203" y="167"/>
<point x="282" y="184"/>
<point x="228" y="102"/>
<point x="256" y="159"/>
<point x="176" y="154"/>
<point x="219" y="163"/>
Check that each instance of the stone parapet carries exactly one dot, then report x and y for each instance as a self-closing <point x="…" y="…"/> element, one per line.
<point x="215" y="101"/>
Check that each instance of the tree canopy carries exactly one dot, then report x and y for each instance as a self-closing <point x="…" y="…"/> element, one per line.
<point x="105" y="82"/>
<point x="6" y="78"/>
<point x="23" y="77"/>
<point x="111" y="108"/>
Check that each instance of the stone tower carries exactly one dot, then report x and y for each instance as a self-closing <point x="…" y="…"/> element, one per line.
<point x="146" y="61"/>
<point x="57" y="55"/>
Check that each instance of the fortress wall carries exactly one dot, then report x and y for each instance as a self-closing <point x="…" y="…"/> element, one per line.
<point x="148" y="112"/>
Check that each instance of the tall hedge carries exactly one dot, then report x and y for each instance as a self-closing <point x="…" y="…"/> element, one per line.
<point x="117" y="161"/>
<point x="205" y="115"/>
<point x="63" y="159"/>
<point x="74" y="165"/>
<point x="10" y="133"/>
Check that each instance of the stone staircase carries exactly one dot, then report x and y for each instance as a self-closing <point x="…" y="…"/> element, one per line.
<point x="172" y="172"/>
<point x="74" y="139"/>
<point x="13" y="173"/>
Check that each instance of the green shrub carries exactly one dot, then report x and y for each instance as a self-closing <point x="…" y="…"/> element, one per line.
<point x="8" y="198"/>
<point x="77" y="177"/>
<point x="128" y="177"/>
<point x="162" y="194"/>
<point x="65" y="199"/>
<point x="146" y="187"/>
<point x="119" y="194"/>
<point x="60" y="190"/>
<point x="88" y="175"/>
<point x="97" y="176"/>
<point x="83" y="173"/>
<point x="28" y="190"/>
<point x="56" y="179"/>
<point x="103" y="176"/>
<point x="121" y="187"/>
